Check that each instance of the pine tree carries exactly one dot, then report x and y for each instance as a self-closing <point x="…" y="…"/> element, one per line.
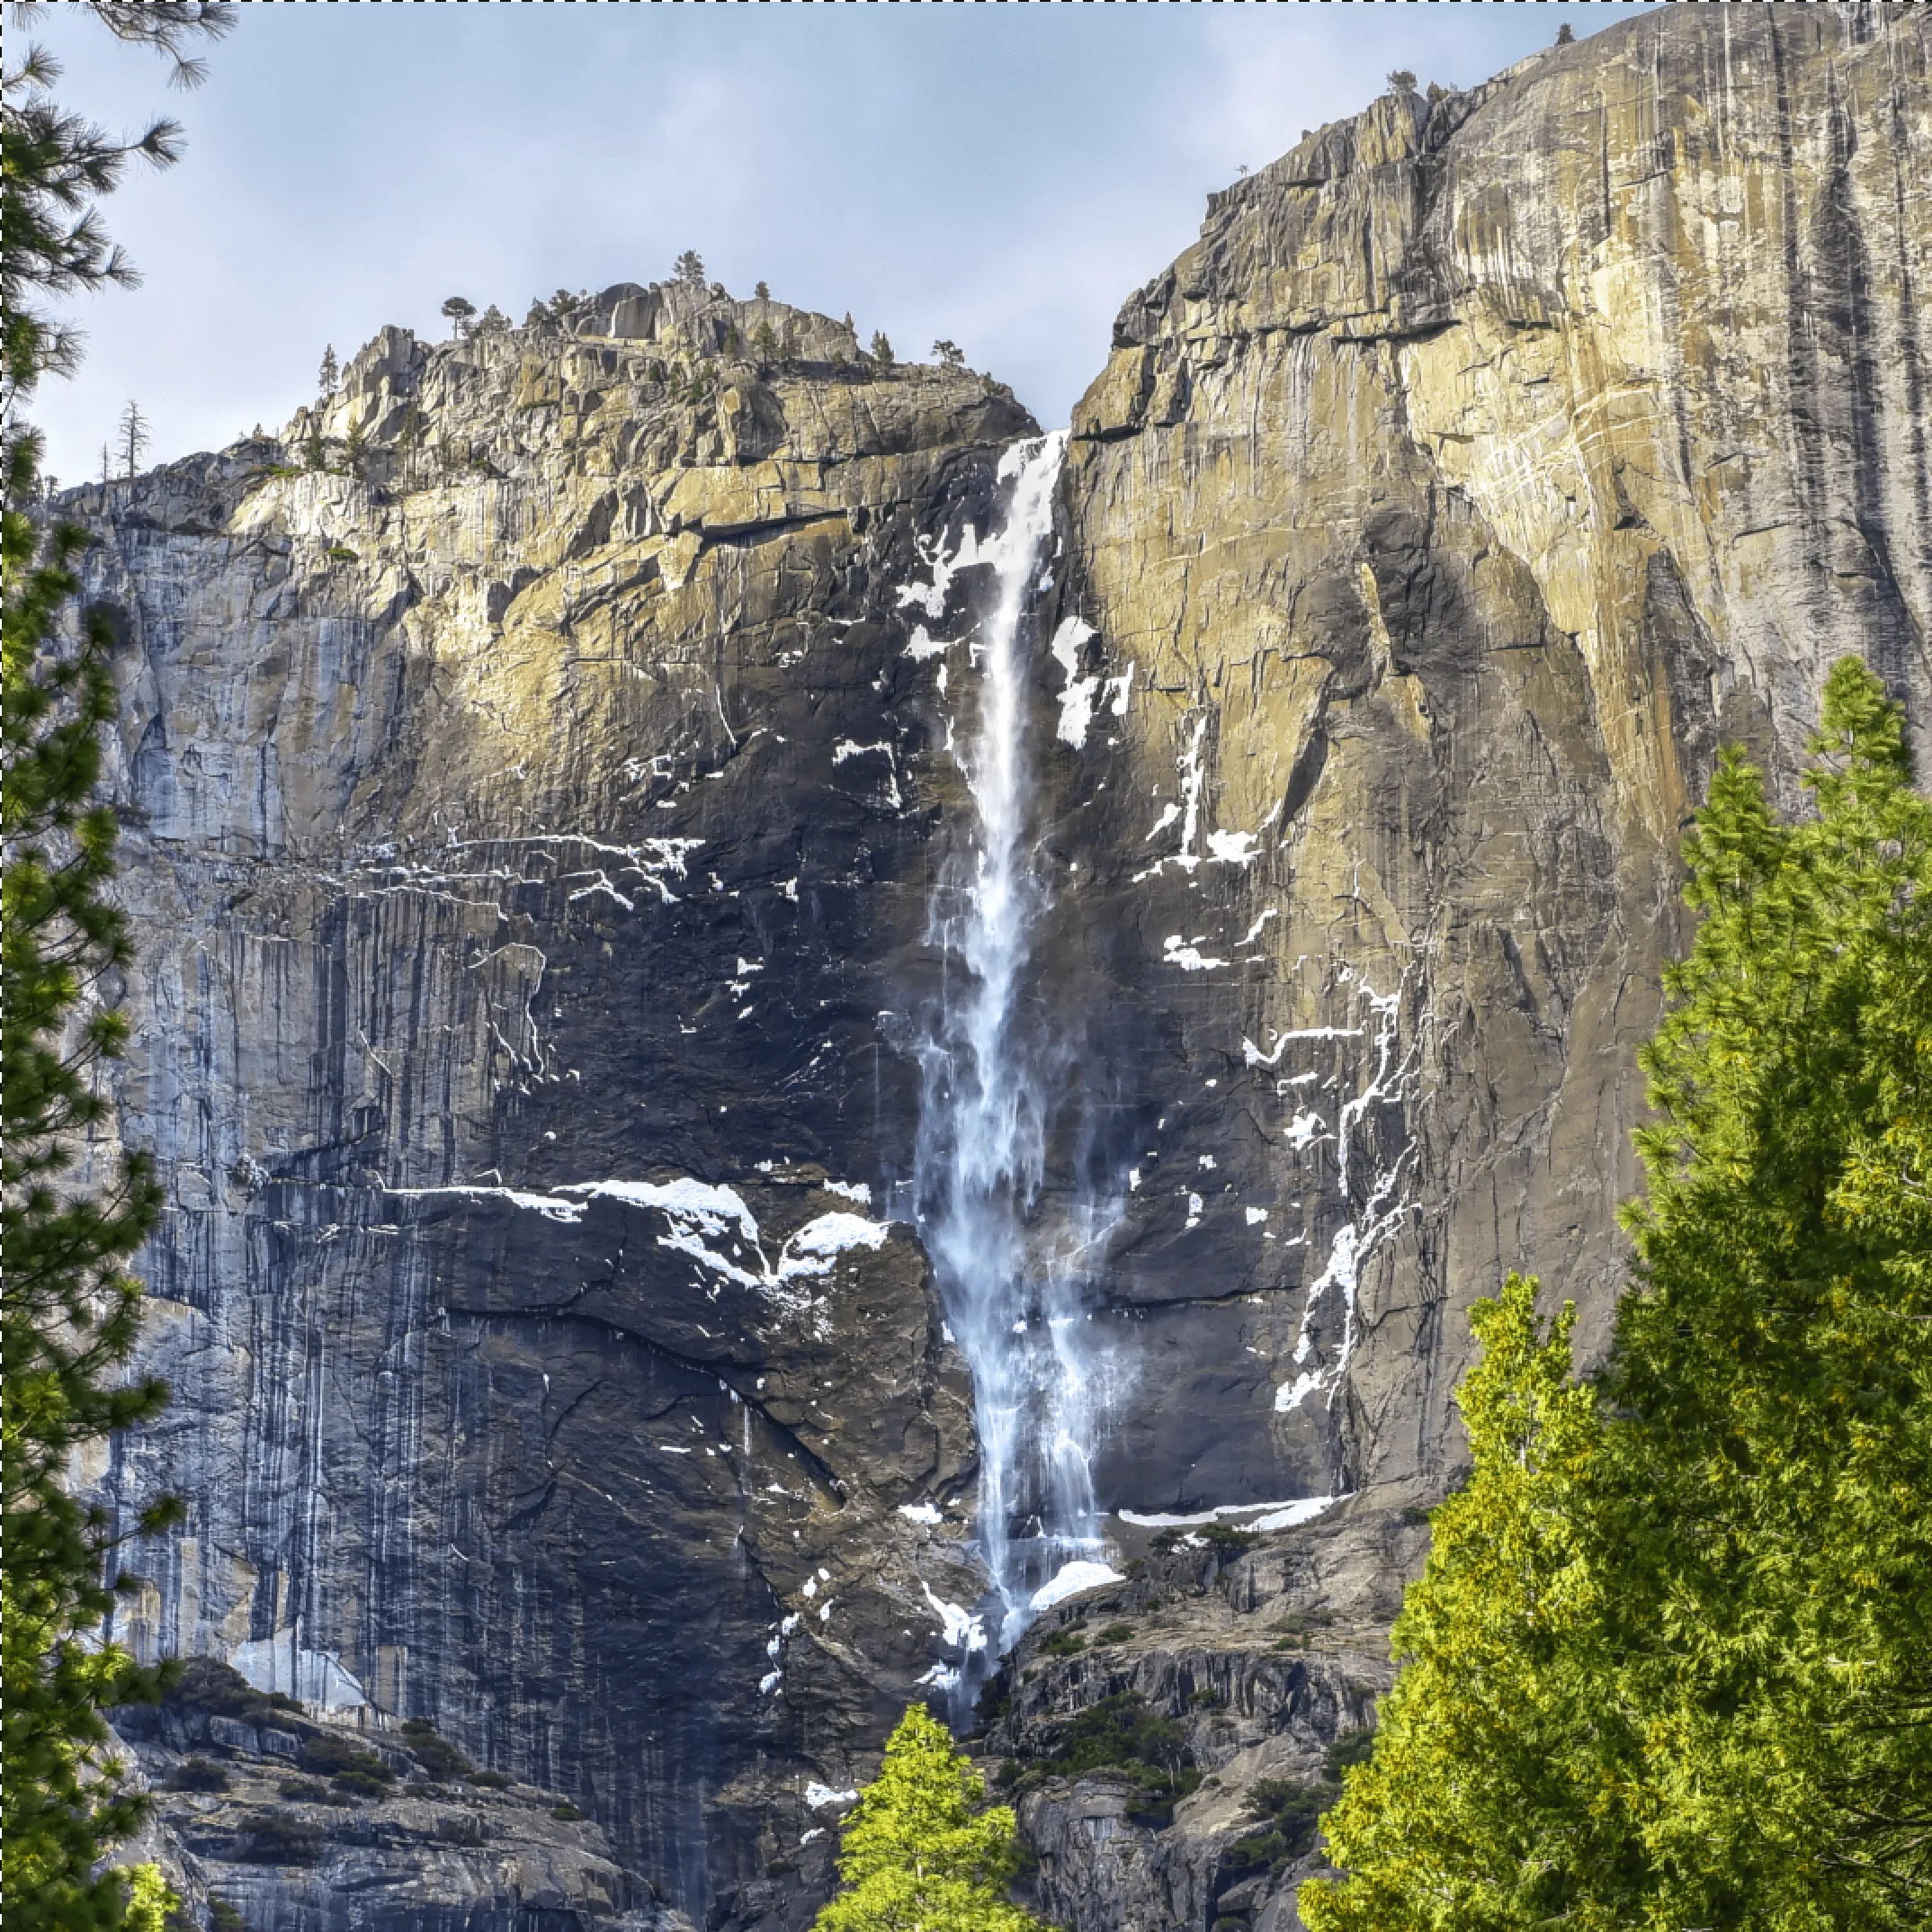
<point x="330" y="372"/>
<point x="1770" y="1501"/>
<point x="950" y="353"/>
<point x="882" y="348"/>
<point x="1474" y="1811"/>
<point x="68" y="1309"/>
<point x="134" y="438"/>
<point x="919" y="1854"/>
<point x="457" y="311"/>
<point x="1730" y="1721"/>
<point x="689" y="268"/>
<point x="52" y="242"/>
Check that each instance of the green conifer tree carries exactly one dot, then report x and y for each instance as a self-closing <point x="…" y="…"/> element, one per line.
<point x="919" y="1854"/>
<point x="1769" y="1504"/>
<point x="1730" y="1721"/>
<point x="67" y="1310"/>
<point x="1474" y="1811"/>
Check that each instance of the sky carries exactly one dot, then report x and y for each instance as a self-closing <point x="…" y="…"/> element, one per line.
<point x="1001" y="175"/>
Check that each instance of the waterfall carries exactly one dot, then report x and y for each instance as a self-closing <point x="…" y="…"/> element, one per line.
<point x="981" y="1144"/>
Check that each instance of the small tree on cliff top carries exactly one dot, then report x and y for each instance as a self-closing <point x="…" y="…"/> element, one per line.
<point x="920" y="1855"/>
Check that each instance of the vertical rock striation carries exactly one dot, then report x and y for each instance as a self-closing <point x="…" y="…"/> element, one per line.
<point x="1486" y="463"/>
<point x="534" y="814"/>
<point x="522" y="843"/>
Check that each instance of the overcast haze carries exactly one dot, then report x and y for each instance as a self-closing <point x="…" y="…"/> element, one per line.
<point x="1001" y="175"/>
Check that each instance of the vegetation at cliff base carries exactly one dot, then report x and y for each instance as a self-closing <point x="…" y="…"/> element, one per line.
<point x="1671" y="1663"/>
<point x="66" y="1230"/>
<point x="922" y="1853"/>
<point x="1120" y="1738"/>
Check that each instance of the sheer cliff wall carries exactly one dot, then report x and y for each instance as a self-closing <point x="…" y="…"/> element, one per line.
<point x="1487" y="462"/>
<point x="531" y="838"/>
<point x="521" y="813"/>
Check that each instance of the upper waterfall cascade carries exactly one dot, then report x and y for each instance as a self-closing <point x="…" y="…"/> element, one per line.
<point x="980" y="1153"/>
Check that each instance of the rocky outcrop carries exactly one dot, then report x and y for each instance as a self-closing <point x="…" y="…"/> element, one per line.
<point x="260" y="1816"/>
<point x="1262" y="1651"/>
<point x="1486" y="463"/>
<point x="539" y="764"/>
<point x="522" y="843"/>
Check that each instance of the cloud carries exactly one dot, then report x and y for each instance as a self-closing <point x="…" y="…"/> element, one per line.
<point x="1002" y="176"/>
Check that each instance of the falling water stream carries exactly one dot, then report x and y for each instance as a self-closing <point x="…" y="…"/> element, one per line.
<point x="982" y="1135"/>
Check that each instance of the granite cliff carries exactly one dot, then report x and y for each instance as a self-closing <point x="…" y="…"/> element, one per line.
<point x="564" y="783"/>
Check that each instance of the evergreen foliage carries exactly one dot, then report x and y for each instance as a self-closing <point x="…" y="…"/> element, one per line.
<point x="68" y="1309"/>
<point x="152" y="1906"/>
<point x="1670" y="1662"/>
<point x="1468" y="1813"/>
<point x="689" y="268"/>
<point x="330" y="372"/>
<point x="1123" y="1738"/>
<point x="920" y="1853"/>
<point x="51" y="239"/>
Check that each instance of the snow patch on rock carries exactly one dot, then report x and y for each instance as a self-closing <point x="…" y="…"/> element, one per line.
<point x="1070" y="1579"/>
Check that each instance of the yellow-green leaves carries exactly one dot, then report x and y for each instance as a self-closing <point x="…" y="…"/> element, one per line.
<point x="1670" y="1664"/>
<point x="919" y="1854"/>
<point x="1492" y="1757"/>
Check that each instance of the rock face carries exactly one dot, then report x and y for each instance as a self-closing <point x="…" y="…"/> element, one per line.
<point x="1484" y="465"/>
<point x="254" y="1817"/>
<point x="522" y="852"/>
<point x="534" y="814"/>
<point x="1261" y="1653"/>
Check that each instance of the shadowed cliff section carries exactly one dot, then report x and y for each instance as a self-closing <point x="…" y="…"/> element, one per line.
<point x="550" y="797"/>
<point x="521" y="802"/>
